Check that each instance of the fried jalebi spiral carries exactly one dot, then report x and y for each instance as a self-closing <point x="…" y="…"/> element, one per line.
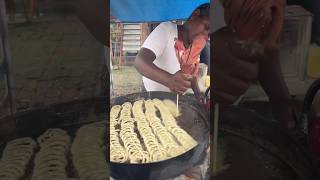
<point x="87" y="154"/>
<point x="114" y="112"/>
<point x="16" y="157"/>
<point x="51" y="161"/>
<point x="170" y="123"/>
<point x="167" y="140"/>
<point x="146" y="132"/>
<point x="53" y="134"/>
<point x="117" y="151"/>
<point x="155" y="149"/>
<point x="129" y="138"/>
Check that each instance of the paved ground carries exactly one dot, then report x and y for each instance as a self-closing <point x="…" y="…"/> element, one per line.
<point x="126" y="80"/>
<point x="54" y="60"/>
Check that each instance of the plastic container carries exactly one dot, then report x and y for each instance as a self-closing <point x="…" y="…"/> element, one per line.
<point x="314" y="62"/>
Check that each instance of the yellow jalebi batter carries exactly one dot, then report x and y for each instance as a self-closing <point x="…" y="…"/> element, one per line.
<point x="129" y="138"/>
<point x="155" y="149"/>
<point x="87" y="154"/>
<point x="117" y="151"/>
<point x="170" y="123"/>
<point x="172" y="107"/>
<point x="15" y="158"/>
<point x="144" y="136"/>
<point x="167" y="140"/>
<point x="51" y="161"/>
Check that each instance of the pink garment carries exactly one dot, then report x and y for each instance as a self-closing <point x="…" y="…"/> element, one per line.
<point x="189" y="58"/>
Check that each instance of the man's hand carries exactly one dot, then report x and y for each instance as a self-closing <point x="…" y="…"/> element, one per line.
<point x="179" y="82"/>
<point x="235" y="66"/>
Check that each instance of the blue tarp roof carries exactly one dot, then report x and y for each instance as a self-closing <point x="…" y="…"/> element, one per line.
<point x="153" y="10"/>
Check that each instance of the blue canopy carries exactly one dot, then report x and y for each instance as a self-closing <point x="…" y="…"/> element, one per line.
<point x="136" y="11"/>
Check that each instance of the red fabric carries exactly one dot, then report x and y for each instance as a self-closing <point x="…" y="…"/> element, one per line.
<point x="189" y="58"/>
<point x="257" y="20"/>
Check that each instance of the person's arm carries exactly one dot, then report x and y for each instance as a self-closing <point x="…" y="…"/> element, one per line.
<point x="177" y="82"/>
<point x="145" y="66"/>
<point x="234" y="64"/>
<point x="94" y="15"/>
<point x="153" y="47"/>
<point x="271" y="79"/>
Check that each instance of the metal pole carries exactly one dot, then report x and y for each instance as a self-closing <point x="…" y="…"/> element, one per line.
<point x="7" y="56"/>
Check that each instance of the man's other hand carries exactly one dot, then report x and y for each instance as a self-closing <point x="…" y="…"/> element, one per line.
<point x="179" y="82"/>
<point x="235" y="66"/>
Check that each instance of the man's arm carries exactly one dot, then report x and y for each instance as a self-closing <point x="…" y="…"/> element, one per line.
<point x="94" y="14"/>
<point x="234" y="65"/>
<point x="271" y="79"/>
<point x="177" y="82"/>
<point x="145" y="66"/>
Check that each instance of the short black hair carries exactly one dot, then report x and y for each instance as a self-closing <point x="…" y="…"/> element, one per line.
<point x="204" y="9"/>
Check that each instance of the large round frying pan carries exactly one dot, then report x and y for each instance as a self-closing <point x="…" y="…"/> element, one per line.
<point x="256" y="148"/>
<point x="194" y="120"/>
<point x="68" y="116"/>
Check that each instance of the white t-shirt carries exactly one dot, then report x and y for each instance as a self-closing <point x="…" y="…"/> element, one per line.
<point x="161" y="43"/>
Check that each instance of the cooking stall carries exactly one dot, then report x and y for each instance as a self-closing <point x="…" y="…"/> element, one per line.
<point x="56" y="141"/>
<point x="250" y="145"/>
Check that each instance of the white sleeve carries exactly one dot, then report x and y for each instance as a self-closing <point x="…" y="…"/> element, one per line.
<point x="158" y="39"/>
<point x="217" y="16"/>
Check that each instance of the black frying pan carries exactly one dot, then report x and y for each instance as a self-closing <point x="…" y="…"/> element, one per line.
<point x="194" y="120"/>
<point x="68" y="116"/>
<point x="259" y="146"/>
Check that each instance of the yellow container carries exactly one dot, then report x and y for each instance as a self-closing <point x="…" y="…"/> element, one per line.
<point x="314" y="61"/>
<point x="207" y="81"/>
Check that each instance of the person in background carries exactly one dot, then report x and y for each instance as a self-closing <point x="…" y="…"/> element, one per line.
<point x="169" y="57"/>
<point x="245" y="52"/>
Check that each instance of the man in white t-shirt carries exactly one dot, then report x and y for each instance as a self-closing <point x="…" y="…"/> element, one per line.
<point x="157" y="60"/>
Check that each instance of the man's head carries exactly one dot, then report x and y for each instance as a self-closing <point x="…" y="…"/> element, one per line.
<point x="199" y="22"/>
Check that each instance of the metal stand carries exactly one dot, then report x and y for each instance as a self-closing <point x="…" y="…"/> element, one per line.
<point x="5" y="63"/>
